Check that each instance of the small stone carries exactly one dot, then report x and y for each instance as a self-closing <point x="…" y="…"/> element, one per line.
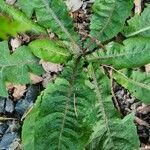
<point x="32" y="93"/>
<point x="15" y="145"/>
<point x="120" y="94"/>
<point x="2" y="104"/>
<point x="3" y="128"/>
<point x="14" y="126"/>
<point x="9" y="108"/>
<point x="135" y="105"/>
<point x="7" y="140"/>
<point x="21" y="106"/>
<point x="30" y="97"/>
<point x="130" y="100"/>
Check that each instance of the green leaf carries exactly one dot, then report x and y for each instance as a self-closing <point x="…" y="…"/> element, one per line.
<point x="139" y="24"/>
<point x="20" y="17"/>
<point x="138" y="83"/>
<point x="111" y="132"/>
<point x="109" y="18"/>
<point x="49" y="50"/>
<point x="122" y="136"/>
<point x="9" y="27"/>
<point x="53" y="15"/>
<point x="64" y="114"/>
<point x="15" y="67"/>
<point x="134" y="52"/>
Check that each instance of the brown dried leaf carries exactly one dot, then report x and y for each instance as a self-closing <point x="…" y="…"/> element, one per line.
<point x="46" y="78"/>
<point x="35" y="78"/>
<point x="19" y="90"/>
<point x="74" y="5"/>
<point x="51" y="67"/>
<point x="15" y="43"/>
<point x="141" y="122"/>
<point x="147" y="68"/>
<point x="138" y="8"/>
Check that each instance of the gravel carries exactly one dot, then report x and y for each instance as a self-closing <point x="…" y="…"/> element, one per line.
<point x="8" y="140"/>
<point x="2" y="104"/>
<point x="128" y="104"/>
<point x="11" y="113"/>
<point x="9" y="108"/>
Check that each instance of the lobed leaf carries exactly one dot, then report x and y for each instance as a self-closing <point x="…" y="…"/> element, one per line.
<point x="138" y="83"/>
<point x="139" y="24"/>
<point x="109" y="18"/>
<point x="49" y="50"/>
<point x="15" y="67"/>
<point x="110" y="132"/>
<point x="66" y="109"/>
<point x="134" y="52"/>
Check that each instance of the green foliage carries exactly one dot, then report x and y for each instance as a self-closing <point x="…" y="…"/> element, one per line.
<point x="20" y="17"/>
<point x="14" y="68"/>
<point x="76" y="110"/>
<point x="110" y="132"/>
<point x="139" y="24"/>
<point x="53" y="15"/>
<point x="109" y="18"/>
<point x="136" y="82"/>
<point x="6" y="24"/>
<point x="66" y="109"/>
<point x="134" y="52"/>
<point x="49" y="50"/>
<point x="115" y="135"/>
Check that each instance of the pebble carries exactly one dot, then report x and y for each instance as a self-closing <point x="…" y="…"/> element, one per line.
<point x="3" y="128"/>
<point x="32" y="93"/>
<point x="21" y="106"/>
<point x="144" y="133"/>
<point x="7" y="140"/>
<point x="135" y="105"/>
<point x="9" y="108"/>
<point x="13" y="126"/>
<point x="120" y="94"/>
<point x="10" y="130"/>
<point x="30" y="97"/>
<point x="2" y="104"/>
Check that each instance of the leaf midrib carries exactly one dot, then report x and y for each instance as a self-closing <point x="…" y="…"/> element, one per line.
<point x="66" y="54"/>
<point x="70" y="93"/>
<point x="109" y="19"/>
<point x="133" y="81"/>
<point x="119" y="55"/>
<point x="77" y="49"/>
<point x="99" y="97"/>
<point x="138" y="31"/>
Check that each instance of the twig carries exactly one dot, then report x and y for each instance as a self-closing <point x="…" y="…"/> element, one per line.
<point x="112" y="91"/>
<point x="26" y="113"/>
<point x="141" y="122"/>
<point x="7" y="119"/>
<point x="99" y="44"/>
